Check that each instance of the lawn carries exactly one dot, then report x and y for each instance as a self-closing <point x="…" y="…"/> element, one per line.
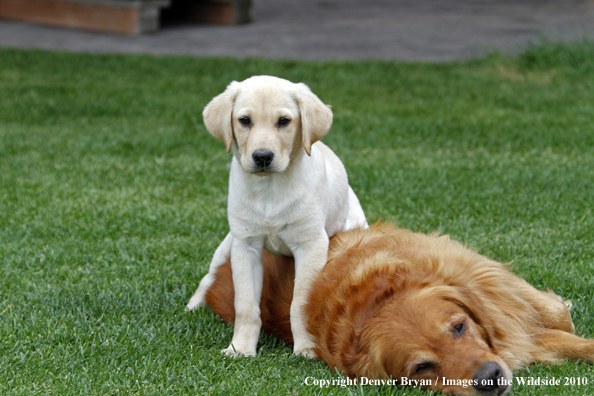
<point x="113" y="199"/>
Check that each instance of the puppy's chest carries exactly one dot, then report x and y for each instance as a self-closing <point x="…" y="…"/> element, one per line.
<point x="278" y="232"/>
<point x="274" y="241"/>
<point x="274" y="208"/>
<point x="277" y="212"/>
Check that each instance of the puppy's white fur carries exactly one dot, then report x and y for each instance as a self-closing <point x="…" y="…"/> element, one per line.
<point x="290" y="204"/>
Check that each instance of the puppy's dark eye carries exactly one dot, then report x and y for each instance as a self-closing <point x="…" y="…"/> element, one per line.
<point x="283" y="121"/>
<point x="245" y="121"/>
<point x="423" y="367"/>
<point x="459" y="329"/>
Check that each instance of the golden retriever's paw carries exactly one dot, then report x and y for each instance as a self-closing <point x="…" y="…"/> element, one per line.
<point x="233" y="352"/>
<point x="306" y="352"/>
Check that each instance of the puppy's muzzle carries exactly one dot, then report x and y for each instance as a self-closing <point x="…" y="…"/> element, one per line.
<point x="262" y="159"/>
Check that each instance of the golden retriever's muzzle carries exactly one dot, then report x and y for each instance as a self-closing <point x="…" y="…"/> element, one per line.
<point x="488" y="379"/>
<point x="262" y="160"/>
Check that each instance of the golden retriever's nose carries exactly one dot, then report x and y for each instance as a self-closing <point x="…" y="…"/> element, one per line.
<point x="262" y="158"/>
<point x="488" y="377"/>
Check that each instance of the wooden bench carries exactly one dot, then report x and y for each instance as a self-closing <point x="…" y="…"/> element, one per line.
<point x="121" y="16"/>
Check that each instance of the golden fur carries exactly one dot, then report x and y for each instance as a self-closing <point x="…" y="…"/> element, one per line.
<point x="391" y="302"/>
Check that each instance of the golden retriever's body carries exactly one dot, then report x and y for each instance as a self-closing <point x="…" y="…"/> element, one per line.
<point x="391" y="302"/>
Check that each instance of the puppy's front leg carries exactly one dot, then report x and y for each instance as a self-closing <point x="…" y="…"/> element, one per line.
<point x="310" y="259"/>
<point x="248" y="275"/>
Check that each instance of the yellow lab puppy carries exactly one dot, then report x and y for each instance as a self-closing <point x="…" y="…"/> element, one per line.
<point x="288" y="193"/>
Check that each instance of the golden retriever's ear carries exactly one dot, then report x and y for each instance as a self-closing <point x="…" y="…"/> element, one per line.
<point x="316" y="117"/>
<point x="218" y="112"/>
<point x="368" y="366"/>
<point x="465" y="299"/>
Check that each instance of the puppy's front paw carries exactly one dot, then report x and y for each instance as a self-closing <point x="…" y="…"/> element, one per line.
<point x="234" y="352"/>
<point x="306" y="352"/>
<point x="304" y="346"/>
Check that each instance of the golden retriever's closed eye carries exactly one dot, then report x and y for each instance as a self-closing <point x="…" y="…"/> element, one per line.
<point x="391" y="302"/>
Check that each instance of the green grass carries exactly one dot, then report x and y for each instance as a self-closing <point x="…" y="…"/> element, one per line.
<point x="113" y="199"/>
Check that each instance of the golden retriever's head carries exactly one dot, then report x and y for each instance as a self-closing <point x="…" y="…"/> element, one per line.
<point x="433" y="334"/>
<point x="267" y="121"/>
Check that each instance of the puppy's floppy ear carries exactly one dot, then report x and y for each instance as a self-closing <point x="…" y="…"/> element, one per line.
<point x="316" y="117"/>
<point x="217" y="114"/>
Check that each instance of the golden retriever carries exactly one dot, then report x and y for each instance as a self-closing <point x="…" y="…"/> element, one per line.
<point x="422" y="309"/>
<point x="288" y="193"/>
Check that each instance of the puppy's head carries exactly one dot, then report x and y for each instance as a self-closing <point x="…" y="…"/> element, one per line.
<point x="434" y="334"/>
<point x="267" y="121"/>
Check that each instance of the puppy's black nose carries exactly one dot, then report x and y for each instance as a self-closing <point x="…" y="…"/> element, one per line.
<point x="262" y="158"/>
<point x="486" y="379"/>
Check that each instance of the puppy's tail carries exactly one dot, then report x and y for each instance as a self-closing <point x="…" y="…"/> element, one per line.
<point x="220" y="295"/>
<point x="277" y="294"/>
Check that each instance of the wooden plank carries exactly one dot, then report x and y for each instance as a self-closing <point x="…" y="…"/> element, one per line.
<point x="78" y="15"/>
